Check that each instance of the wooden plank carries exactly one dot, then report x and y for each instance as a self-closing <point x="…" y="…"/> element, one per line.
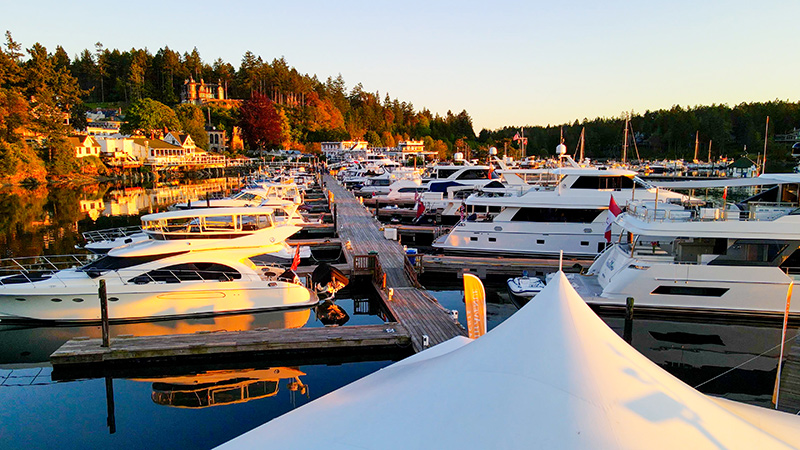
<point x="256" y="341"/>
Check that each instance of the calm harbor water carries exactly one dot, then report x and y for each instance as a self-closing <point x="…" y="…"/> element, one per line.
<point x="201" y="407"/>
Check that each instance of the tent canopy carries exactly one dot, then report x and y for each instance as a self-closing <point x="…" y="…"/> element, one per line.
<point x="551" y="376"/>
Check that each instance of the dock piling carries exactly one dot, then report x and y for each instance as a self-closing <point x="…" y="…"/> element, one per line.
<point x="104" y="312"/>
<point x="627" y="333"/>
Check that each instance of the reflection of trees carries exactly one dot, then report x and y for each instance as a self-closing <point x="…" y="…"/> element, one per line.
<point x="22" y="212"/>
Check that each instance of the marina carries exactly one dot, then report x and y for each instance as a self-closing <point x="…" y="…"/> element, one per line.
<point x="232" y="242"/>
<point x="383" y="327"/>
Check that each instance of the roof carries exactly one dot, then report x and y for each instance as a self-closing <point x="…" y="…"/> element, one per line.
<point x="553" y="375"/>
<point x="742" y="163"/>
<point x="156" y="143"/>
<point x="83" y="141"/>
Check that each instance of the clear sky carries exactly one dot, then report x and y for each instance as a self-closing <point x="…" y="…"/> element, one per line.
<point x="506" y="62"/>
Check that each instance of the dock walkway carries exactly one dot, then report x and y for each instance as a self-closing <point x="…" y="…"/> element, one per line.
<point x="414" y="308"/>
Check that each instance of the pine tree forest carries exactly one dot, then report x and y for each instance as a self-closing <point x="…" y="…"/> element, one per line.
<point x="279" y="107"/>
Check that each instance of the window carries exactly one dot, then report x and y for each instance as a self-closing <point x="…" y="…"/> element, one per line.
<point x="473" y="238"/>
<point x="106" y="263"/>
<point x="255" y="222"/>
<point x="445" y="173"/>
<point x="556" y="215"/>
<point x="218" y="223"/>
<point x="474" y="174"/>
<point x="178" y="273"/>
<point x="615" y="183"/>
<point x="688" y="290"/>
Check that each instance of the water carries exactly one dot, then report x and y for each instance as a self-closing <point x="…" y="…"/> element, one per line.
<point x="196" y="407"/>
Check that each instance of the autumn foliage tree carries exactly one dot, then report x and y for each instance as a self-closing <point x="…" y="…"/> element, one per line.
<point x="262" y="124"/>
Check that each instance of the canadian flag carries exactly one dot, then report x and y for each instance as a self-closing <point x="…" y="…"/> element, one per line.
<point x="613" y="211"/>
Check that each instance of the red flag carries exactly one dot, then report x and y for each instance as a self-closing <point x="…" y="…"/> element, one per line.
<point x="296" y="260"/>
<point x="420" y="210"/>
<point x="613" y="211"/>
<point x="516" y="137"/>
<point x="725" y="195"/>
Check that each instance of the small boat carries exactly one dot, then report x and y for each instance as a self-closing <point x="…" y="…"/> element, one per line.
<point x="522" y="289"/>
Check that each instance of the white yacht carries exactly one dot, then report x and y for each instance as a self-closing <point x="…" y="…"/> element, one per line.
<point x="192" y="264"/>
<point x="381" y="184"/>
<point x="101" y="241"/>
<point x="717" y="260"/>
<point x="267" y="194"/>
<point x="544" y="219"/>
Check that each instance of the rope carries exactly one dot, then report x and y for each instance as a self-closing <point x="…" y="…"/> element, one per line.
<point x="742" y="364"/>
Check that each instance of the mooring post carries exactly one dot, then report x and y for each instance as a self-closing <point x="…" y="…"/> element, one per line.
<point x="104" y="311"/>
<point x="627" y="333"/>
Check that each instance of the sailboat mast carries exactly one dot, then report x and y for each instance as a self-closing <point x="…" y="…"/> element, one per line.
<point x="696" y="145"/>
<point x="766" y="131"/>
<point x="625" y="142"/>
<point x="583" y="137"/>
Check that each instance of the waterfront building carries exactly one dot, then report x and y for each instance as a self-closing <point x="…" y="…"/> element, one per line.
<point x="217" y="139"/>
<point x="84" y="146"/>
<point x="103" y="128"/>
<point x="340" y="150"/>
<point x="743" y="167"/>
<point x="183" y="140"/>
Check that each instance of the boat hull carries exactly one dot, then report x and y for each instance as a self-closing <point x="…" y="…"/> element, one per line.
<point x="130" y="302"/>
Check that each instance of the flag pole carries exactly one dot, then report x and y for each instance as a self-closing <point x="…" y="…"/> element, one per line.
<point x="777" y="391"/>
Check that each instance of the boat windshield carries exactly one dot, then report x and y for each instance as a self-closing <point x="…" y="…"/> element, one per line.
<point x="106" y="263"/>
<point x="642" y="183"/>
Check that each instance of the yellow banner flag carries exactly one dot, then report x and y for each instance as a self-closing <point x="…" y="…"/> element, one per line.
<point x="475" y="300"/>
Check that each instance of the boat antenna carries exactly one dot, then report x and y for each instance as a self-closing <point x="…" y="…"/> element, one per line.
<point x="561" y="260"/>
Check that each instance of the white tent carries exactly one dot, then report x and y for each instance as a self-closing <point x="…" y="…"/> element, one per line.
<point x="551" y="376"/>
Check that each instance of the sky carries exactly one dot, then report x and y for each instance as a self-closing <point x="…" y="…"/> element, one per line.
<point x="506" y="62"/>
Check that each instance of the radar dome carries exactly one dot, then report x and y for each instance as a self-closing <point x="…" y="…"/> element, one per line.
<point x="492" y="151"/>
<point x="561" y="149"/>
<point x="458" y="156"/>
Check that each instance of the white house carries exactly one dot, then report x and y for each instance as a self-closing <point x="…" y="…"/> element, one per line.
<point x="84" y="146"/>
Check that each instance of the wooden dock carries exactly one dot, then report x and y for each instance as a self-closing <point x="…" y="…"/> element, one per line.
<point x="414" y="308"/>
<point x="388" y="337"/>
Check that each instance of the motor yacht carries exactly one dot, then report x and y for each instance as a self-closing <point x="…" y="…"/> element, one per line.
<point x="545" y="219"/>
<point x="192" y="264"/>
<point x="698" y="258"/>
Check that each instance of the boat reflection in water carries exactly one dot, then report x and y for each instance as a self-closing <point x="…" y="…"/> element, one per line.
<point x="31" y="345"/>
<point x="224" y="387"/>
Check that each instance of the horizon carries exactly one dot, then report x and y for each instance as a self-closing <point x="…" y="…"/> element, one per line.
<point x="550" y="65"/>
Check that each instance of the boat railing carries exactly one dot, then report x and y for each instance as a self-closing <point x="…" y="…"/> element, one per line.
<point x="110" y="234"/>
<point x="32" y="268"/>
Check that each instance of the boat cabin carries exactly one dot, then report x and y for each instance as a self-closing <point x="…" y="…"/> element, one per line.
<point x="191" y="224"/>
